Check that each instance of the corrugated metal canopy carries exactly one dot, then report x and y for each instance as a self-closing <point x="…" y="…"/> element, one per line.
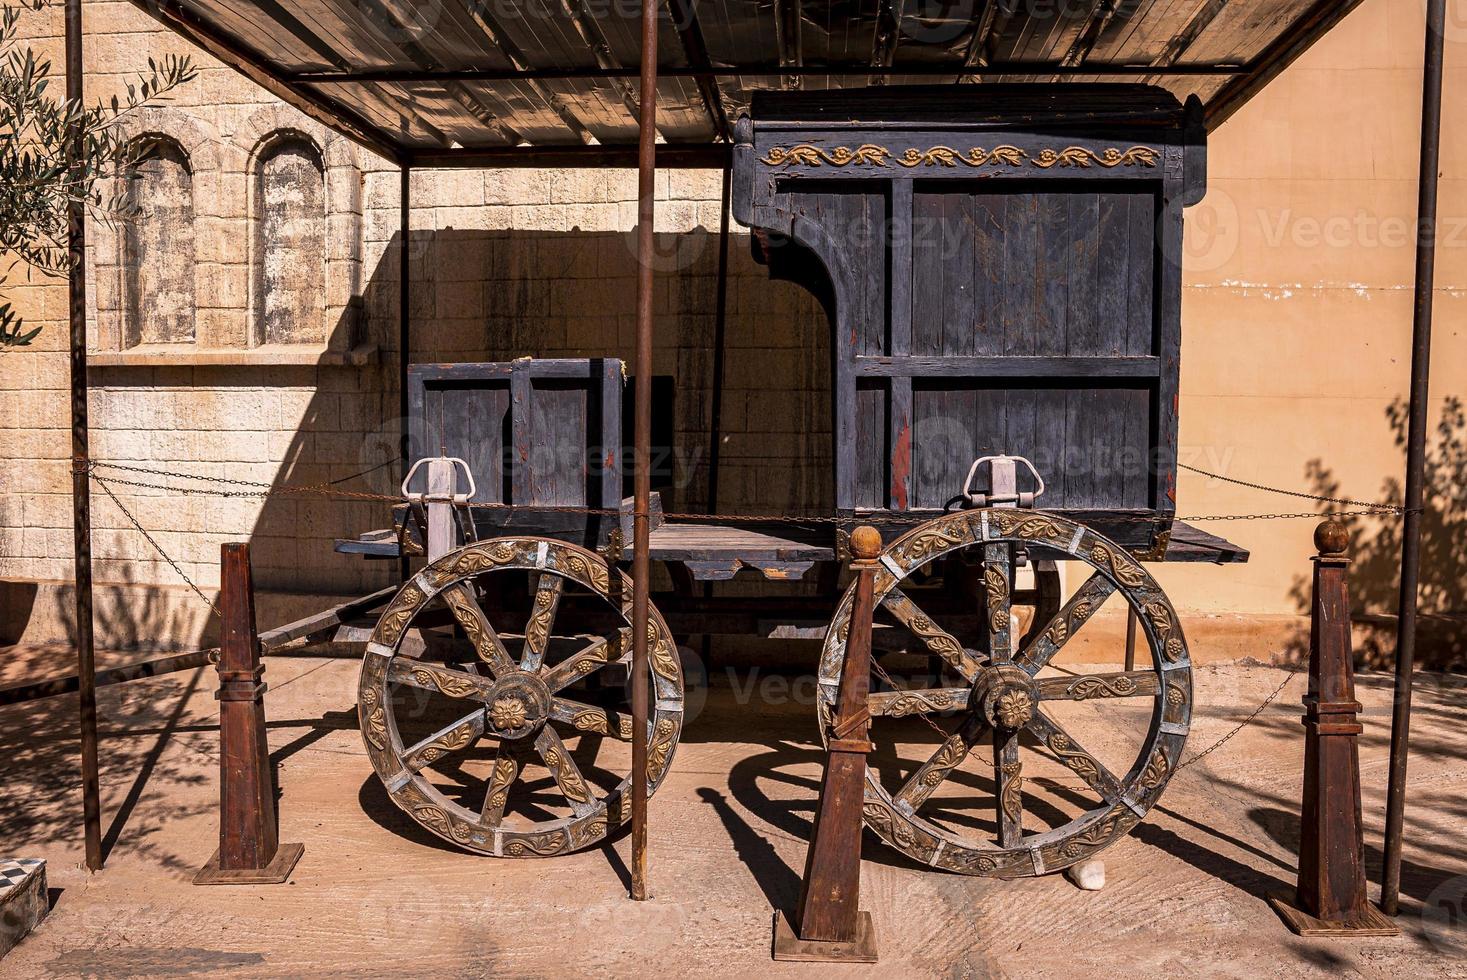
<point x="554" y="81"/>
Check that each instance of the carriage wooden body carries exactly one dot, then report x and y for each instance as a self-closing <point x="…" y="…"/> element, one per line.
<point x="999" y="278"/>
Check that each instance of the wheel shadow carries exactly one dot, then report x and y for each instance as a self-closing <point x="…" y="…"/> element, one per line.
<point x="792" y="816"/>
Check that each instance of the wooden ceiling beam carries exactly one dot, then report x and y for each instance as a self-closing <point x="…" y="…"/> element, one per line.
<point x="584" y="22"/>
<point x="690" y="34"/>
<point x="1100" y="17"/>
<point x="995" y="20"/>
<point x="681" y="156"/>
<point x="496" y="36"/>
<point x="837" y="71"/>
<point x="787" y="39"/>
<point x="887" y="35"/>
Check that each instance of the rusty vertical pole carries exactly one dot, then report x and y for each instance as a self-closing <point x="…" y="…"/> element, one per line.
<point x="720" y="330"/>
<point x="250" y="852"/>
<point x="1329" y="899"/>
<point x="404" y="326"/>
<point x="1431" y="126"/>
<point x="828" y="924"/>
<point x="642" y="442"/>
<point x="81" y="499"/>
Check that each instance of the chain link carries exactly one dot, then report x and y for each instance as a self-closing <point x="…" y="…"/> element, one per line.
<point x="1241" y="725"/>
<point x="156" y="546"/>
<point x="1372" y="507"/>
<point x="255" y="489"/>
<point x="264" y="490"/>
<point x="881" y="672"/>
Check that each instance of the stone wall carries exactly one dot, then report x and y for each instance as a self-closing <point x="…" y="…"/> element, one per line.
<point x="279" y="350"/>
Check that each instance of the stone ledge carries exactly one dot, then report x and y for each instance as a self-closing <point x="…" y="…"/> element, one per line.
<point x="266" y="355"/>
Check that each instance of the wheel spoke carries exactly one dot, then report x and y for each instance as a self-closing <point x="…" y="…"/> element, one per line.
<point x="567" y="774"/>
<point x="598" y="654"/>
<point x="1066" y="623"/>
<point x="1008" y="788"/>
<point x="1064" y="746"/>
<point x="900" y="704"/>
<point x="938" y="640"/>
<point x="501" y="778"/>
<point x="587" y="718"/>
<point x="452" y="738"/>
<point x="929" y="776"/>
<point x="1122" y="684"/>
<point x="542" y="615"/>
<point x="487" y="645"/>
<point x="444" y="680"/>
<point x="1046" y="599"/>
<point x="998" y="601"/>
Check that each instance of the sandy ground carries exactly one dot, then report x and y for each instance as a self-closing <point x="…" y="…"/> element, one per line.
<point x="376" y="896"/>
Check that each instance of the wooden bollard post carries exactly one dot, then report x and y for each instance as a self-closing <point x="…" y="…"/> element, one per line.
<point x="1330" y="897"/>
<point x="828" y="924"/>
<point x="249" y="849"/>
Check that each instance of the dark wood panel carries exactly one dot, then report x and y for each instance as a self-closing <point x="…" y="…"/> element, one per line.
<point x="533" y="432"/>
<point x="1090" y="444"/>
<point x="996" y="285"/>
<point x="469" y="421"/>
<point x="561" y="453"/>
<point x="1072" y="275"/>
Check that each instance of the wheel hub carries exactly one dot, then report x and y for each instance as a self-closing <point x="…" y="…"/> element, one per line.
<point x="1006" y="696"/>
<point x="516" y="706"/>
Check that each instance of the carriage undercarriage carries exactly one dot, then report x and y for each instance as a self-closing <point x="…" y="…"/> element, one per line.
<point x="494" y="689"/>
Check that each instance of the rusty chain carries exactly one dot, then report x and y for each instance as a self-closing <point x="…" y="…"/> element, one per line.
<point x="1242" y="724"/>
<point x="254" y="489"/>
<point x="1383" y="508"/>
<point x="259" y="490"/>
<point x="156" y="546"/>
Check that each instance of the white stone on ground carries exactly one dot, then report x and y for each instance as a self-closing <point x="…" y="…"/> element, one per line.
<point x="1087" y="875"/>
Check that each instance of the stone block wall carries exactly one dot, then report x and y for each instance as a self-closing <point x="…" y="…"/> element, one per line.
<point x="1296" y="334"/>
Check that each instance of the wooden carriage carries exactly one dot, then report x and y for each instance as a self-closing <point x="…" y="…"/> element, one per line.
<point x="1001" y="277"/>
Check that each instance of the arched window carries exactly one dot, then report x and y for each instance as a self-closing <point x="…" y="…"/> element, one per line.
<point x="290" y="243"/>
<point x="158" y="249"/>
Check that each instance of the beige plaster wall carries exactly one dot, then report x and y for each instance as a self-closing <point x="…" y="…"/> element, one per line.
<point x="1297" y="323"/>
<point x="1297" y="313"/>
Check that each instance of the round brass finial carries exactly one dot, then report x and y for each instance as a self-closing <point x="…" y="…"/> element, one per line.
<point x="1331" y="537"/>
<point x="865" y="542"/>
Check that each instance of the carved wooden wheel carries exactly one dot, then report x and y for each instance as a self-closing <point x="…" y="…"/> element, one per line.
<point x="1044" y="798"/>
<point x="458" y="739"/>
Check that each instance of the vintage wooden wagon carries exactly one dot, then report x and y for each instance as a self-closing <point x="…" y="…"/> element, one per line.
<point x="1001" y="279"/>
<point x="1043" y="336"/>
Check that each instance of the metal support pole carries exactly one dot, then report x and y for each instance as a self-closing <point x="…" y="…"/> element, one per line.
<point x="1431" y="117"/>
<point x="81" y="500"/>
<point x="715" y="407"/>
<point x="642" y="487"/>
<point x="720" y="330"/>
<point x="404" y="320"/>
